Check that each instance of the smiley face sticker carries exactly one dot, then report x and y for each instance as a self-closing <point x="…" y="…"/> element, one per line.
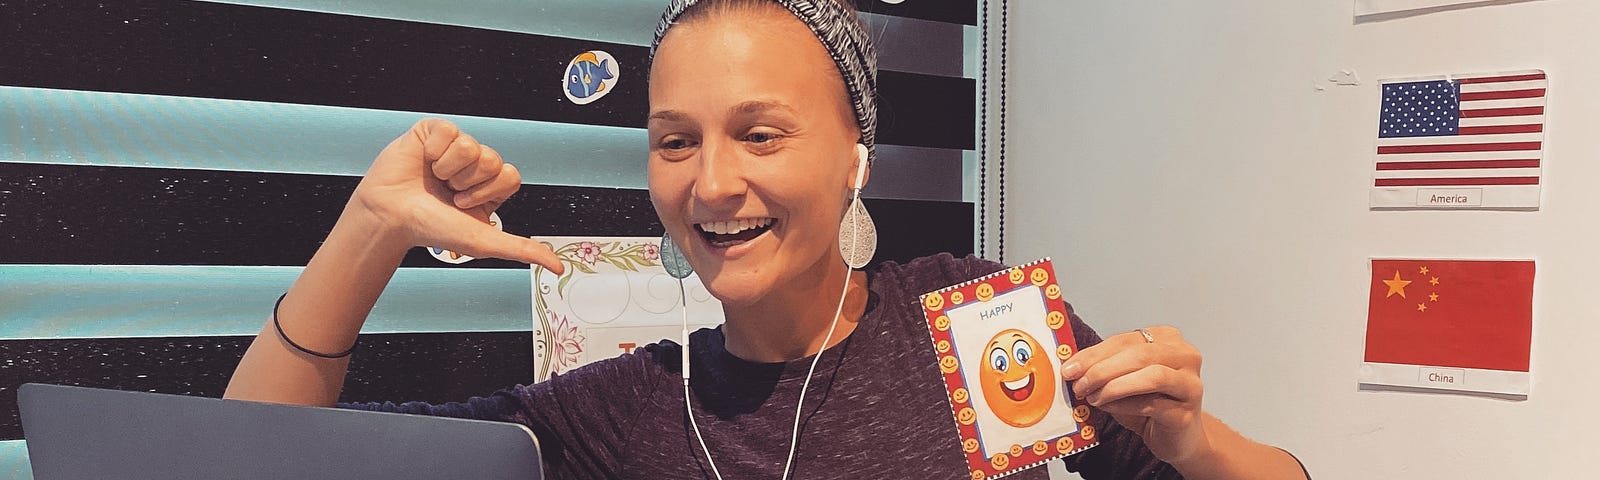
<point x="985" y="292"/>
<point x="956" y="298"/>
<point x="969" y="445"/>
<point x="943" y="346"/>
<point x="1064" y="445"/>
<point x="960" y="395"/>
<point x="1016" y="276"/>
<point x="1041" y="448"/>
<point x="1000" y="461"/>
<point x="1052" y="292"/>
<point x="949" y="364"/>
<point x="1018" y="388"/>
<point x="1063" y="351"/>
<point x="966" y="416"/>
<point x="1039" y="277"/>
<point x="1054" y="319"/>
<point x="1088" y="432"/>
<point x="933" y="302"/>
<point x="1080" y="413"/>
<point x="942" y="323"/>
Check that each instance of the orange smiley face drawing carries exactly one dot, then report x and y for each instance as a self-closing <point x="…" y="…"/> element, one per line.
<point x="1018" y="388"/>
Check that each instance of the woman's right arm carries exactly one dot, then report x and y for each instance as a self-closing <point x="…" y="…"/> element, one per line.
<point x="431" y="186"/>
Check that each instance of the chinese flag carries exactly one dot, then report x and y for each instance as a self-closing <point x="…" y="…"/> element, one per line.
<point x="1451" y="313"/>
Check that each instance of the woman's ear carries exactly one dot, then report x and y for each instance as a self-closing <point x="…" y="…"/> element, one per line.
<point x="861" y="166"/>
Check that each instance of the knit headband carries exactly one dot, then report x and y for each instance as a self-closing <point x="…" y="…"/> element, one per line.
<point x="847" y="42"/>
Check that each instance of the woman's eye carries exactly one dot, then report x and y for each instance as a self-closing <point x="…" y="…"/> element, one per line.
<point x="1024" y="352"/>
<point x="997" y="359"/>
<point x="760" y="137"/>
<point x="675" y="144"/>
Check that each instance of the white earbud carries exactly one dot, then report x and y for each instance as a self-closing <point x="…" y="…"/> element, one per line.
<point x="861" y="165"/>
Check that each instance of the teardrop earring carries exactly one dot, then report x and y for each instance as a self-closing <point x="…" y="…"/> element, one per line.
<point x="858" y="236"/>
<point x="673" y="260"/>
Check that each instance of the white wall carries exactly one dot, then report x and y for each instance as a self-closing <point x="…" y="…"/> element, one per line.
<point x="1175" y="159"/>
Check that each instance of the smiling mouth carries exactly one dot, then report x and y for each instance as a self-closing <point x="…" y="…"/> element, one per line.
<point x="1019" y="389"/>
<point x="729" y="233"/>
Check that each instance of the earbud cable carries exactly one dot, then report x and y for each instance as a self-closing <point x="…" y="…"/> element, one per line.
<point x="794" y="437"/>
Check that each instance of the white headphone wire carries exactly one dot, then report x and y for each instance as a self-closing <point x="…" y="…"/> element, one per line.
<point x="794" y="437"/>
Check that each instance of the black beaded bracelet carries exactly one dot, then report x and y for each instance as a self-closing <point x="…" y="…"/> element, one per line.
<point x="297" y="346"/>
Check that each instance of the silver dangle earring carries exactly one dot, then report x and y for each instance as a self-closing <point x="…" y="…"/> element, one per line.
<point x="858" y="236"/>
<point x="673" y="260"/>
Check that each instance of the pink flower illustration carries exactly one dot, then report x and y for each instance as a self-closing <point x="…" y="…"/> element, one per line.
<point x="652" y="252"/>
<point x="566" y="344"/>
<point x="588" y="252"/>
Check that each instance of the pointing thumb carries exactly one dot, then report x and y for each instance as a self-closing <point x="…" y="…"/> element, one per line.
<point x="490" y="242"/>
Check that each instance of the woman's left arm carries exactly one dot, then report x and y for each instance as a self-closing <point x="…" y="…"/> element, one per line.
<point x="1151" y="385"/>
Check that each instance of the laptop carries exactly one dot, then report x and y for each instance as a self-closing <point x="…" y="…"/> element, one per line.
<point x="78" y="433"/>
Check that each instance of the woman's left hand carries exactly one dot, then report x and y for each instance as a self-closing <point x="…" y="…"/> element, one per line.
<point x="1151" y="387"/>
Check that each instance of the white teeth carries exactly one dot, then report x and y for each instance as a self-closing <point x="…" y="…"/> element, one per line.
<point x="1019" y="384"/>
<point x="735" y="226"/>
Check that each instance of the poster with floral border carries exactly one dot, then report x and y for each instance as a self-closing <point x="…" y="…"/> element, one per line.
<point x="614" y="297"/>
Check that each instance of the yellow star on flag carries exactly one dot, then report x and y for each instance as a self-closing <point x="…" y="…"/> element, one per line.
<point x="1424" y="270"/>
<point x="1433" y="297"/>
<point x="1422" y="307"/>
<point x="1396" y="286"/>
<point x="1434" y="281"/>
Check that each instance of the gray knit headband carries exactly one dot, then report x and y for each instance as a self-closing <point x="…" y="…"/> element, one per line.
<point x="847" y="42"/>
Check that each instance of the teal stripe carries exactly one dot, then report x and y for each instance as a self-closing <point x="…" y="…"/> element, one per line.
<point x="94" y="128"/>
<point x="117" y="129"/>
<point x="936" y="50"/>
<point x="83" y="301"/>
<point x="14" y="460"/>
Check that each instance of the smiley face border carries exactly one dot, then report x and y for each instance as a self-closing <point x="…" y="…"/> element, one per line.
<point x="1040" y="273"/>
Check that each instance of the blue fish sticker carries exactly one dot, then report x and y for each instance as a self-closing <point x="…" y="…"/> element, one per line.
<point x="587" y="76"/>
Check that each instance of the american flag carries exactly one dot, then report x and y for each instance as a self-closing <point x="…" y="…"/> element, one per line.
<point x="1470" y="131"/>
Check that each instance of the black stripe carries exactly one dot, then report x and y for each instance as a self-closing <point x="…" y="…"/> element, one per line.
<point x="90" y="215"/>
<point x="214" y="50"/>
<point x="964" y="12"/>
<point x="431" y="367"/>
<point x="926" y="110"/>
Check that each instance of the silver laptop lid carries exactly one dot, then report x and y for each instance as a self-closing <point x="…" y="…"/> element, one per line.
<point x="77" y="433"/>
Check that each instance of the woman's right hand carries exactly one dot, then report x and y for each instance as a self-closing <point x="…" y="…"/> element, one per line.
<point x="436" y="186"/>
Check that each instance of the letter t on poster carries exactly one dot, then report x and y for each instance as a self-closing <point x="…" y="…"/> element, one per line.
<point x="1463" y="325"/>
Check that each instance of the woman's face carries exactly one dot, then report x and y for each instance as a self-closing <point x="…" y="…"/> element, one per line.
<point x="752" y="151"/>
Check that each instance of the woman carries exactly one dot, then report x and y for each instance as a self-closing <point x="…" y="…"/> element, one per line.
<point x="757" y="110"/>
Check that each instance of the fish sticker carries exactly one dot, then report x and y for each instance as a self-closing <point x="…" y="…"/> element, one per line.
<point x="589" y="76"/>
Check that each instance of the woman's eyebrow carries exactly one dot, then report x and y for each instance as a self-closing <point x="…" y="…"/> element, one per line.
<point x="761" y="106"/>
<point x="667" y="115"/>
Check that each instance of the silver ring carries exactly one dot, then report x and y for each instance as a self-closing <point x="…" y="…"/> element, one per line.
<point x="1148" y="338"/>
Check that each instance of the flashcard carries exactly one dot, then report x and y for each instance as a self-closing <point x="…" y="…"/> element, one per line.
<point x="1000" y="340"/>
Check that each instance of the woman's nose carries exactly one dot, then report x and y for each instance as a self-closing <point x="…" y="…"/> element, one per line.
<point x="721" y="176"/>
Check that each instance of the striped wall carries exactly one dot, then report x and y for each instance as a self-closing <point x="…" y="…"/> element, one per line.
<point x="167" y="166"/>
